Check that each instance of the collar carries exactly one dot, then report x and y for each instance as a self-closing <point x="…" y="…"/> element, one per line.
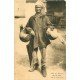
<point x="40" y="15"/>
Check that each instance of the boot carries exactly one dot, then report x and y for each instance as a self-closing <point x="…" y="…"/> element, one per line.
<point x="35" y="67"/>
<point x="43" y="71"/>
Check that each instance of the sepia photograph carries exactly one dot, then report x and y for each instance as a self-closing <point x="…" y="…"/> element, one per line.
<point x="39" y="39"/>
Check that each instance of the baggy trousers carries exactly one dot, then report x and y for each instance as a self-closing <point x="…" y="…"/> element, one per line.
<point x="43" y="56"/>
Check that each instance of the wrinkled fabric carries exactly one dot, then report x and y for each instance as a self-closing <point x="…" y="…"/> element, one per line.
<point x="39" y="24"/>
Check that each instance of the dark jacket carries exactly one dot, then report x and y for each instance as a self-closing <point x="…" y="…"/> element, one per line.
<point x="39" y="25"/>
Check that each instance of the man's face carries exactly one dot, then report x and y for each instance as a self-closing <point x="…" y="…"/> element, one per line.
<point x="38" y="9"/>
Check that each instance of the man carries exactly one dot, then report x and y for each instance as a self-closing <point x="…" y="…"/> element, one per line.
<point x="39" y="23"/>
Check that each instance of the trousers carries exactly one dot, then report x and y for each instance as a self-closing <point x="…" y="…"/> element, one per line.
<point x="43" y="56"/>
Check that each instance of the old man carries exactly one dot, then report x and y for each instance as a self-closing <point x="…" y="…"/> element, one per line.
<point x="39" y="23"/>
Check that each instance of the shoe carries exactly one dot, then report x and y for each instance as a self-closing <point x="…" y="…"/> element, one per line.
<point x="35" y="67"/>
<point x="43" y="71"/>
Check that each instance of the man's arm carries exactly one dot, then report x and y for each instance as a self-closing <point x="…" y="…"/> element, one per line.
<point x="28" y="27"/>
<point x="48" y="23"/>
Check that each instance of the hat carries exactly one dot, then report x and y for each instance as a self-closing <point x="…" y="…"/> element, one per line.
<point x="39" y="4"/>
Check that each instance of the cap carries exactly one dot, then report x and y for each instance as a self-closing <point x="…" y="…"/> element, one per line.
<point x="39" y="4"/>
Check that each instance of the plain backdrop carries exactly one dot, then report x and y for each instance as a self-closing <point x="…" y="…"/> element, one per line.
<point x="7" y="40"/>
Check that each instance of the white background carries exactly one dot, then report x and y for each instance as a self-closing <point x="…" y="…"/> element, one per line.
<point x="7" y="40"/>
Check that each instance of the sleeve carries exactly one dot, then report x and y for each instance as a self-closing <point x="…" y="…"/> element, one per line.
<point x="28" y="23"/>
<point x="28" y="26"/>
<point x="48" y="21"/>
<point x="49" y="24"/>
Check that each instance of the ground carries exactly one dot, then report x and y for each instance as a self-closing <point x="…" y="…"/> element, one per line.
<point x="55" y="58"/>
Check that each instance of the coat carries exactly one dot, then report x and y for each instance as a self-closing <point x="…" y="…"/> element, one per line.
<point x="39" y="24"/>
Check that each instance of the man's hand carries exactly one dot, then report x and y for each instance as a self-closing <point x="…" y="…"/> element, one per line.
<point x="32" y="33"/>
<point x="21" y="28"/>
<point x="51" y="28"/>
